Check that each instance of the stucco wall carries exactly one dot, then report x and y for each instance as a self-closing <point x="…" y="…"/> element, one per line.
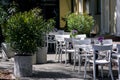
<point x="113" y="16"/>
<point x="65" y="8"/>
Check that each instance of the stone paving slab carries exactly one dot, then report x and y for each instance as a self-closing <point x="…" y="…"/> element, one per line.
<point x="52" y="70"/>
<point x="54" y="79"/>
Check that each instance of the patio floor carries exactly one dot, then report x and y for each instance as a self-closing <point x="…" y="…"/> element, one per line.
<point x="52" y="70"/>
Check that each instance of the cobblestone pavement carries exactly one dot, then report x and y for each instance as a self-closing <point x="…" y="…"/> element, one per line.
<point x="52" y="70"/>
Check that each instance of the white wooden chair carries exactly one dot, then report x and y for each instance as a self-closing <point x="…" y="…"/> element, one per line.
<point x="51" y="38"/>
<point x="100" y="49"/>
<point x="60" y="42"/>
<point x="82" y="47"/>
<point x="68" y="48"/>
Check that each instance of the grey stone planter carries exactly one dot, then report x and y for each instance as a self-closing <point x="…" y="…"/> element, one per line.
<point x="34" y="58"/>
<point x="23" y="66"/>
<point x="41" y="55"/>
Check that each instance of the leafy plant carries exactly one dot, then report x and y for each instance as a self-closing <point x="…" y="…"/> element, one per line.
<point x="80" y="22"/>
<point x="3" y="18"/>
<point x="3" y="15"/>
<point x="25" y="31"/>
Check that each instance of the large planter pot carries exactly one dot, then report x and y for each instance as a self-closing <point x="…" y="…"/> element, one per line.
<point x="23" y="66"/>
<point x="41" y="55"/>
<point x="34" y="59"/>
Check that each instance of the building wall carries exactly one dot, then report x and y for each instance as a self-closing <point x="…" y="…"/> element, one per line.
<point x="65" y="8"/>
<point x="108" y="16"/>
<point x="117" y="18"/>
<point x="104" y="19"/>
<point x="112" y="16"/>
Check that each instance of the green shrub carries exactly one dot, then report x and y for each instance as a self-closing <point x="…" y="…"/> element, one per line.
<point x="80" y="22"/>
<point x="25" y="31"/>
<point x="3" y="15"/>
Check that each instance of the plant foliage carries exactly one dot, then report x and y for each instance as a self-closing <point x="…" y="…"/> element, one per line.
<point x="80" y="22"/>
<point x="3" y="15"/>
<point x="25" y="31"/>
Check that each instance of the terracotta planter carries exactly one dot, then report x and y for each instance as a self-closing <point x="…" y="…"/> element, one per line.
<point x="23" y="66"/>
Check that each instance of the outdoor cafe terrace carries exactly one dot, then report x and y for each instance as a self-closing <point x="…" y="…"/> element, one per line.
<point x="59" y="70"/>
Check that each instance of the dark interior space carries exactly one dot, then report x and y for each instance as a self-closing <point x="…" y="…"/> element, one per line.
<point x="50" y="9"/>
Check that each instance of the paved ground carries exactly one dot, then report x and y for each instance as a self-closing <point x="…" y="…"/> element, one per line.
<point x="52" y="70"/>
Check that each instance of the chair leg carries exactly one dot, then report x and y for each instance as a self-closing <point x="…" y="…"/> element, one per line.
<point x="79" y="64"/>
<point x="85" y="72"/>
<point x="94" y="71"/>
<point x="65" y="57"/>
<point x="118" y="68"/>
<point x="102" y="71"/>
<point x="74" y="62"/>
<point x="56" y="52"/>
<point x="89" y="66"/>
<point x="60" y="56"/>
<point x="110" y="68"/>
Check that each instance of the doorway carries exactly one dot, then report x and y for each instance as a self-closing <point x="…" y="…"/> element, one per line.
<point x="50" y="9"/>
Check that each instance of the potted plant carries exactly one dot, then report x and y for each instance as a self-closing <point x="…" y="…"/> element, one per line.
<point x="41" y="55"/>
<point x="80" y="22"/>
<point x="24" y="31"/>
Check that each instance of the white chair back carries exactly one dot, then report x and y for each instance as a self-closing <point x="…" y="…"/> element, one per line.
<point x="105" y="41"/>
<point x="103" y="49"/>
<point x="60" y="32"/>
<point x="59" y="37"/>
<point x="108" y="41"/>
<point x="81" y="36"/>
<point x="84" y="44"/>
<point x="81" y="42"/>
<point x="68" y="43"/>
<point x="66" y="36"/>
<point x="68" y="39"/>
<point x="95" y="41"/>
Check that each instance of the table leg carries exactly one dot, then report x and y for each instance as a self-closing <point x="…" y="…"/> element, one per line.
<point x="119" y="68"/>
<point x="97" y="71"/>
<point x="69" y="56"/>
